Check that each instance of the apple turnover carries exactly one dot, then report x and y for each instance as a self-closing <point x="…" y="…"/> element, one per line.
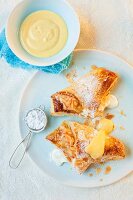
<point x="85" y="97"/>
<point x="73" y="138"/>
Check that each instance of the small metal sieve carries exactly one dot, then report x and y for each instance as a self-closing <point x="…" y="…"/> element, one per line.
<point x="33" y="115"/>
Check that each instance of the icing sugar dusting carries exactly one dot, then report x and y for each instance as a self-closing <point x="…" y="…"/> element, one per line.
<point x="85" y="112"/>
<point x="86" y="90"/>
<point x="82" y="153"/>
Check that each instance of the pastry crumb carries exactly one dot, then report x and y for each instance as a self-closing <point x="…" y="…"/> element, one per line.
<point x="71" y="75"/>
<point x="69" y="78"/>
<point x="98" y="170"/>
<point x="90" y="174"/>
<point x="122" y="113"/>
<point x="109" y="116"/>
<point x="107" y="170"/>
<point x="93" y="67"/>
<point x="122" y="128"/>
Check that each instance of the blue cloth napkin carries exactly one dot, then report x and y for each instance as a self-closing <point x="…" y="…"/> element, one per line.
<point x="15" y="62"/>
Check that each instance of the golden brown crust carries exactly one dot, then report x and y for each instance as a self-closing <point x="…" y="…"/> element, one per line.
<point x="72" y="138"/>
<point x="114" y="147"/>
<point x="65" y="102"/>
<point x="87" y="93"/>
<point x="64" y="139"/>
<point x="93" y="88"/>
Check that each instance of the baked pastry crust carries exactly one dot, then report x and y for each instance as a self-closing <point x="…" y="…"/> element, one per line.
<point x="72" y="138"/>
<point x="86" y="96"/>
<point x="66" y="102"/>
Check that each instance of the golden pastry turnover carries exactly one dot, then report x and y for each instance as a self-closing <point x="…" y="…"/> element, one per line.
<point x="72" y="138"/>
<point x="85" y="97"/>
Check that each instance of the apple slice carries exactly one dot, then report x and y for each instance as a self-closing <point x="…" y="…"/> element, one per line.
<point x="106" y="125"/>
<point x="96" y="148"/>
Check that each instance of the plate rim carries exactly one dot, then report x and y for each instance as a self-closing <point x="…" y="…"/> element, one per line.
<point x="28" y="154"/>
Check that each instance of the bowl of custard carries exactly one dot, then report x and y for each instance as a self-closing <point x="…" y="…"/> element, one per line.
<point x="42" y="32"/>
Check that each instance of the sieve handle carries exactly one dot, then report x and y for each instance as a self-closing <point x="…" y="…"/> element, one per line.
<point x="27" y="140"/>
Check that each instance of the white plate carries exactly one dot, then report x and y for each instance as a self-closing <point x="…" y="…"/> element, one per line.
<point x="39" y="90"/>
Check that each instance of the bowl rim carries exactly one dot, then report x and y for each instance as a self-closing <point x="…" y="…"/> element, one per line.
<point x="43" y="63"/>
